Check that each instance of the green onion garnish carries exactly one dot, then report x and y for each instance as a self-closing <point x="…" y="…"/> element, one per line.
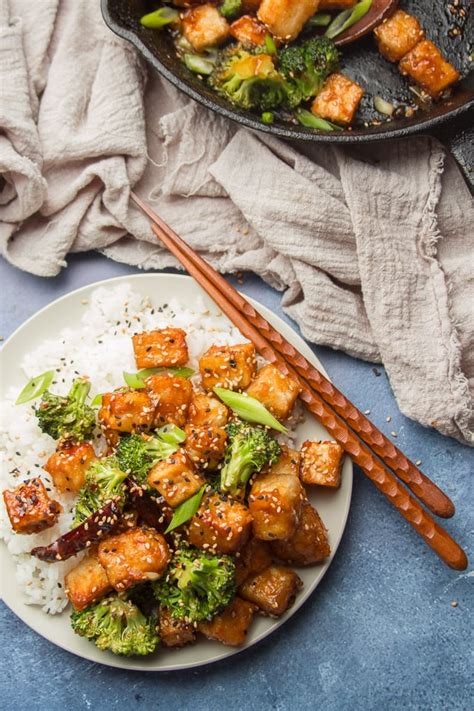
<point x="97" y="401"/>
<point x="249" y="409"/>
<point x="186" y="510"/>
<point x="198" y="64"/>
<point x="159" y="18"/>
<point x="347" y="18"/>
<point x="35" y="387"/>
<point x="321" y="19"/>
<point x="171" y="434"/>
<point x="270" y="44"/>
<point x="137" y="380"/>
<point x="306" y="118"/>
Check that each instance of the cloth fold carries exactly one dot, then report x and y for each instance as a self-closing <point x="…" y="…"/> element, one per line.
<point x="371" y="246"/>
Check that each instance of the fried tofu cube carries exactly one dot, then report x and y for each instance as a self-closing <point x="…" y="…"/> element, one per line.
<point x="127" y="411"/>
<point x="231" y="625"/>
<point x="248" y="31"/>
<point x="174" y="632"/>
<point x="309" y="544"/>
<point x="164" y="348"/>
<point x="254" y="557"/>
<point x="287" y="463"/>
<point x="275" y="503"/>
<point x="321" y="463"/>
<point x="338" y="100"/>
<point x="29" y="507"/>
<point x="251" y="6"/>
<point x="278" y="392"/>
<point x="67" y="467"/>
<point x="171" y="396"/>
<point x="87" y="582"/>
<point x="285" y="18"/>
<point x="134" y="556"/>
<point x="207" y="411"/>
<point x="273" y="590"/>
<point x="204" y="26"/>
<point x="221" y="524"/>
<point x="205" y="446"/>
<point x="175" y="478"/>
<point x="426" y="65"/>
<point x="231" y="367"/>
<point x="397" y="35"/>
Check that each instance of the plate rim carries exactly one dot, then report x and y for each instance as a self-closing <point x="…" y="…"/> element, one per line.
<point x="226" y="651"/>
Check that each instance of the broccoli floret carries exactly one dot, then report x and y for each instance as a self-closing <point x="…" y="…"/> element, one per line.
<point x="249" y="449"/>
<point x="230" y="8"/>
<point x="67" y="417"/>
<point x="308" y="64"/>
<point x="104" y="481"/>
<point x="197" y="585"/>
<point x="117" y="625"/>
<point x="249" y="80"/>
<point x="137" y="454"/>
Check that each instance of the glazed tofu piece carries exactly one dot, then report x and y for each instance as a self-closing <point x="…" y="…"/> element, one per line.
<point x="174" y="632"/>
<point x="397" y="35"/>
<point x="205" y="446"/>
<point x="175" y="478"/>
<point x="285" y="18"/>
<point x="273" y="590"/>
<point x="321" y="463"/>
<point x="309" y="544"/>
<point x="338" y="100"/>
<point x="155" y="349"/>
<point x="254" y="557"/>
<point x="427" y="67"/>
<point x="29" y="507"/>
<point x="207" y="411"/>
<point x="87" y="582"/>
<point x="231" y="625"/>
<point x="67" y="467"/>
<point x="251" y="6"/>
<point x="171" y="396"/>
<point x="275" y="503"/>
<point x="231" y="367"/>
<point x="287" y="463"/>
<point x="248" y="31"/>
<point x="276" y="391"/>
<point x="127" y="411"/>
<point x="132" y="557"/>
<point x="221" y="524"/>
<point x="204" y="26"/>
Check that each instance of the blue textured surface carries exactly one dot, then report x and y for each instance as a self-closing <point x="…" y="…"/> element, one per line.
<point x="380" y="631"/>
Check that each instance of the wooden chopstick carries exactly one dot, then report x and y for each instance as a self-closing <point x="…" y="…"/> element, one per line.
<point x="425" y="489"/>
<point x="433" y="534"/>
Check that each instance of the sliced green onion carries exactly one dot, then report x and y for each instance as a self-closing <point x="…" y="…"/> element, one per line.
<point x="35" y="387"/>
<point x="171" y="434"/>
<point x="270" y="44"/>
<point x="198" y="64"/>
<point x="159" y="18"/>
<point x="249" y="408"/>
<point x="321" y="19"/>
<point x="268" y="117"/>
<point x="383" y="107"/>
<point x="347" y="18"/>
<point x="97" y="401"/>
<point x="306" y="118"/>
<point x="137" y="380"/>
<point x="186" y="510"/>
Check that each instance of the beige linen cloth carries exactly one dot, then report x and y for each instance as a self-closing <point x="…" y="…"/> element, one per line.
<point x="373" y="249"/>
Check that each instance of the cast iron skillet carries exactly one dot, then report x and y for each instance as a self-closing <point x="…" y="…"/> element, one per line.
<point x="450" y="120"/>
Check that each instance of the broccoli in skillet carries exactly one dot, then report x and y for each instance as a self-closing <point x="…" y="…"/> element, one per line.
<point x="136" y="454"/>
<point x="249" y="80"/>
<point x="104" y="481"/>
<point x="117" y="625"/>
<point x="306" y="66"/>
<point x="197" y="585"/>
<point x="67" y="417"/>
<point x="250" y="449"/>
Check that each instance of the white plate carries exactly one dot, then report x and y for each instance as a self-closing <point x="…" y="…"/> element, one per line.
<point x="333" y="506"/>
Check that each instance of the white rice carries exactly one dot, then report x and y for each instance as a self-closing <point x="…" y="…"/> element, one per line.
<point x="100" y="348"/>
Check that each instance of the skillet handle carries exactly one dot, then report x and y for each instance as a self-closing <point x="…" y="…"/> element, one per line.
<point x="458" y="138"/>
